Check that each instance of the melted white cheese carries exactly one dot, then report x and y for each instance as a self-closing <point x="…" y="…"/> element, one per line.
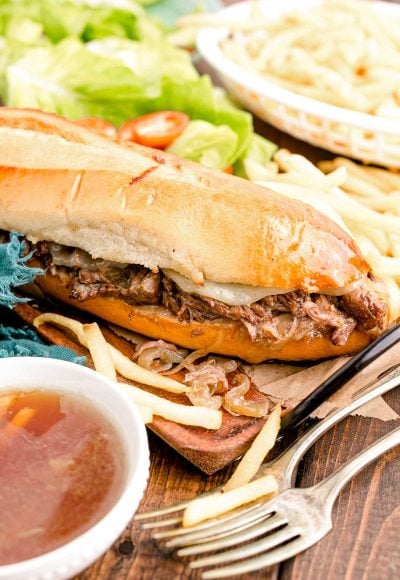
<point x="232" y="294"/>
<point x="241" y="294"/>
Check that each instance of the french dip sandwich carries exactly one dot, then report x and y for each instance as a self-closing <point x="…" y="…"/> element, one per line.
<point x="175" y="251"/>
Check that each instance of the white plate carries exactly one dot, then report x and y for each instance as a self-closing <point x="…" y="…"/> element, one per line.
<point x="362" y="136"/>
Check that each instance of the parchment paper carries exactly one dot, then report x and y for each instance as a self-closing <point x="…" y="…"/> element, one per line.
<point x="289" y="384"/>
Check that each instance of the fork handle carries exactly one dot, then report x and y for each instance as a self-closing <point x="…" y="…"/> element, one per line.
<point x="329" y="488"/>
<point x="286" y="464"/>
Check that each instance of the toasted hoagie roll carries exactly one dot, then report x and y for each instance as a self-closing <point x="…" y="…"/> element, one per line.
<point x="179" y="252"/>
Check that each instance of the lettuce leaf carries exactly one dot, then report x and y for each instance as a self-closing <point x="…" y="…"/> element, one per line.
<point x="260" y="150"/>
<point x="83" y="19"/>
<point x="70" y="80"/>
<point x="108" y="58"/>
<point x="119" y="79"/>
<point x="207" y="144"/>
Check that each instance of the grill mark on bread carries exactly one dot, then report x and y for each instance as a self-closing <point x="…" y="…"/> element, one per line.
<point x="158" y="158"/>
<point x="142" y="175"/>
<point x="74" y="191"/>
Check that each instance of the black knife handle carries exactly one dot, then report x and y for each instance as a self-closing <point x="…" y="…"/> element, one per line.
<point x="333" y="383"/>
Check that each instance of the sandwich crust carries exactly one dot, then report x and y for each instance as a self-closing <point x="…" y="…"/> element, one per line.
<point x="167" y="213"/>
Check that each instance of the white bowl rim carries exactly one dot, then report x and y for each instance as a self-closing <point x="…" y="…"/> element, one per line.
<point x="118" y="517"/>
<point x="207" y="42"/>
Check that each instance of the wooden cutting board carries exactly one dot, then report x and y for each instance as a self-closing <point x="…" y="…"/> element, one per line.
<point x="209" y="450"/>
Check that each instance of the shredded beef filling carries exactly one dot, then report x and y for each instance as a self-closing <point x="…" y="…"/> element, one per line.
<point x="278" y="318"/>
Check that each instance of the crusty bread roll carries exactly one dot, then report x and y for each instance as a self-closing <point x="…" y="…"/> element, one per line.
<point x="61" y="183"/>
<point x="167" y="213"/>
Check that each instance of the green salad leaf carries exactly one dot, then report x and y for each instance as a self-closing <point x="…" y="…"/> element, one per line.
<point x="120" y="79"/>
<point x="83" y="19"/>
<point x="109" y="58"/>
<point x="260" y="150"/>
<point x="71" y="80"/>
<point x="213" y="146"/>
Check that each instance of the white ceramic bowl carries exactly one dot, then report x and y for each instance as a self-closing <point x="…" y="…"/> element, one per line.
<point x="28" y="373"/>
<point x="362" y="136"/>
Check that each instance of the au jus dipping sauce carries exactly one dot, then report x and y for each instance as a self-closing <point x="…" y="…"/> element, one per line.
<point x="62" y="467"/>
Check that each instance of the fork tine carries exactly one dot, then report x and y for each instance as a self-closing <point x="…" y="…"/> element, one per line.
<point x="176" y="507"/>
<point x="249" y="533"/>
<point x="161" y="523"/>
<point x="252" y="549"/>
<point x="213" y="525"/>
<point x="275" y="556"/>
<point x="225" y="532"/>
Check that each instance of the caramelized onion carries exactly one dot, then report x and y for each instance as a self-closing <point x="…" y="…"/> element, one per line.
<point x="187" y="362"/>
<point x="229" y="365"/>
<point x="236" y="404"/>
<point x="207" y="380"/>
<point x="158" y="355"/>
<point x="200" y="396"/>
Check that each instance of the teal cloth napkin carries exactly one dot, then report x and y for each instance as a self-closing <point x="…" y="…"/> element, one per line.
<point x="22" y="341"/>
<point x="13" y="270"/>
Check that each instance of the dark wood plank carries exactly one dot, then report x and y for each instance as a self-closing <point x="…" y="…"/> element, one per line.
<point x="367" y="513"/>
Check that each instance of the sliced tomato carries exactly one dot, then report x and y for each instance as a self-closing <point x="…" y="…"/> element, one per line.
<point x="155" y="129"/>
<point x="98" y="125"/>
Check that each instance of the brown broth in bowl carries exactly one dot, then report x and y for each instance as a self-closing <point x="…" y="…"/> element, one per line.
<point x="62" y="467"/>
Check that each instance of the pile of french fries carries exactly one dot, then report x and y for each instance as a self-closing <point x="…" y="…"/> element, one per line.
<point x="108" y="360"/>
<point x="342" y="52"/>
<point x="363" y="200"/>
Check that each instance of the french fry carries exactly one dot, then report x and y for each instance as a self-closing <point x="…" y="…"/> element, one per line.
<point x="343" y="53"/>
<point x="99" y="351"/>
<point x="146" y="413"/>
<point x="394" y="296"/>
<point x="123" y="364"/>
<point x="74" y="326"/>
<point x="378" y="237"/>
<point x="391" y="179"/>
<point x="394" y="245"/>
<point x="183" y="414"/>
<point x="257" y="452"/>
<point x="347" y="207"/>
<point x="219" y="503"/>
<point x="365" y="201"/>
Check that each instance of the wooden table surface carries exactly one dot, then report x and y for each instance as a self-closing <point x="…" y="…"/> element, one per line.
<point x="364" y="543"/>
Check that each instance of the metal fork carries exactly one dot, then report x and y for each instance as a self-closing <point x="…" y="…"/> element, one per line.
<point x="284" y="468"/>
<point x="296" y="520"/>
